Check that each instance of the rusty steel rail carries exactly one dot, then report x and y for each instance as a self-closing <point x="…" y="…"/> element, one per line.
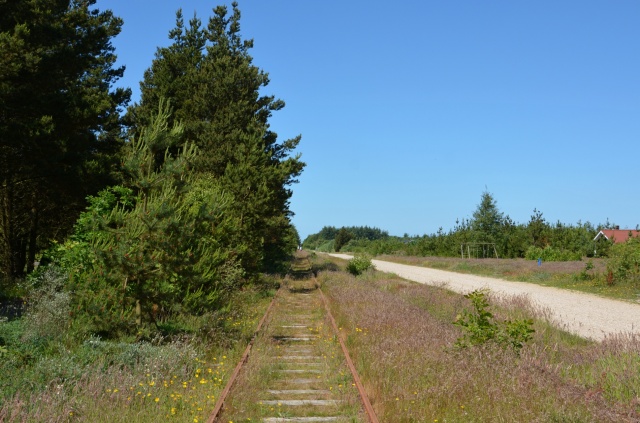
<point x="363" y="395"/>
<point x="223" y="396"/>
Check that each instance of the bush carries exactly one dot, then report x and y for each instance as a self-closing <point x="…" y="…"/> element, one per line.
<point x="551" y="254"/>
<point x="623" y="264"/>
<point x="481" y="327"/>
<point x="159" y="246"/>
<point x="587" y="273"/>
<point x="48" y="314"/>
<point x="359" y="264"/>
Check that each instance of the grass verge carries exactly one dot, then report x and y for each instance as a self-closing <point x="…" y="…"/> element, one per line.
<point x="401" y="336"/>
<point x="54" y="379"/>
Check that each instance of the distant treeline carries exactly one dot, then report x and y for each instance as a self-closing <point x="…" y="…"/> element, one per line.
<point x="326" y="238"/>
<point x="487" y="234"/>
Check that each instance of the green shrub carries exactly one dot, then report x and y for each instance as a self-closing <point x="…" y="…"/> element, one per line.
<point x="481" y="327"/>
<point x="161" y="245"/>
<point x="587" y="273"/>
<point x="623" y="264"/>
<point x="359" y="264"/>
<point x="551" y="254"/>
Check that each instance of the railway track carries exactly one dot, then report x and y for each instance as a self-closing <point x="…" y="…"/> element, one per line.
<point x="297" y="367"/>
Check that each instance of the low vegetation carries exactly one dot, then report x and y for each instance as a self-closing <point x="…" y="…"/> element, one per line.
<point x="492" y="244"/>
<point x="48" y="374"/>
<point x="623" y="265"/>
<point x="359" y="264"/>
<point x="403" y="339"/>
<point x="480" y="326"/>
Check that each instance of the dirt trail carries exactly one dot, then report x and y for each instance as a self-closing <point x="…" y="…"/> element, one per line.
<point x="586" y="315"/>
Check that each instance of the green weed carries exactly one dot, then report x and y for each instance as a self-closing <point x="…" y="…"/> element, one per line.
<point x="480" y="326"/>
<point x="359" y="264"/>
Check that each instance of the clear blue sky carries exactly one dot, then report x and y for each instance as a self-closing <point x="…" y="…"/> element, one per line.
<point x="409" y="109"/>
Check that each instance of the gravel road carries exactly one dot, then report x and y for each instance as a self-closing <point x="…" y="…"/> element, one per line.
<point x="587" y="315"/>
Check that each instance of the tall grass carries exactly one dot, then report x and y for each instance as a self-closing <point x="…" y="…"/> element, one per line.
<point x="402" y="338"/>
<point x="47" y="375"/>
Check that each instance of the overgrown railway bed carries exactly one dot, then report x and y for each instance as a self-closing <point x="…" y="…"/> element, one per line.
<point x="299" y="369"/>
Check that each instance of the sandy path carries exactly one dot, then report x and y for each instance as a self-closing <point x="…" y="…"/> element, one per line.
<point x="587" y="315"/>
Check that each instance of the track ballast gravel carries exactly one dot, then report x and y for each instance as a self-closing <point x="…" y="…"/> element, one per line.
<point x="586" y="315"/>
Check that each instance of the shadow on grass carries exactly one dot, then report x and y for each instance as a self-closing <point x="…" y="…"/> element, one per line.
<point x="325" y="266"/>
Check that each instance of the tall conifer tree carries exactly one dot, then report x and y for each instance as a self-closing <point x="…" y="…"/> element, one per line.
<point x="157" y="243"/>
<point x="488" y="220"/>
<point x="209" y="76"/>
<point x="59" y="119"/>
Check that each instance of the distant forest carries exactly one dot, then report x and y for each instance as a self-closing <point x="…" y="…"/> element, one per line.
<point x="489" y="233"/>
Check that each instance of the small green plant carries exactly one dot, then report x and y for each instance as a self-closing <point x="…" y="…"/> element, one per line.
<point x="359" y="264"/>
<point x="480" y="326"/>
<point x="585" y="274"/>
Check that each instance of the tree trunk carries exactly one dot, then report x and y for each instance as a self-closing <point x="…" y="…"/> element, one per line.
<point x="18" y="257"/>
<point x="33" y="238"/>
<point x="6" y="266"/>
<point x="16" y="245"/>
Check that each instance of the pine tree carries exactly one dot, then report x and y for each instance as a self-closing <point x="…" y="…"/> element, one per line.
<point x="173" y="75"/>
<point x="342" y="237"/>
<point x="159" y="241"/>
<point x="209" y="76"/>
<point x="59" y="119"/>
<point x="538" y="229"/>
<point x="487" y="220"/>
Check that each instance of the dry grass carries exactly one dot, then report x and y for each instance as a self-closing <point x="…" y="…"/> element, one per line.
<point x="177" y="384"/>
<point x="401" y="336"/>
<point x="118" y="382"/>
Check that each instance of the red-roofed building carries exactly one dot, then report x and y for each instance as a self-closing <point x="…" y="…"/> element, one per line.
<point x="617" y="236"/>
